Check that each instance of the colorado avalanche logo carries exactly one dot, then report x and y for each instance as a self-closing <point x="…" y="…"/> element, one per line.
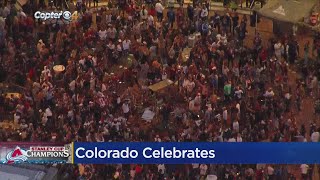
<point x="17" y="155"/>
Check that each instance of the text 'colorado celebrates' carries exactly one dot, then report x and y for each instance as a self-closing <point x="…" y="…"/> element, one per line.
<point x="147" y="152"/>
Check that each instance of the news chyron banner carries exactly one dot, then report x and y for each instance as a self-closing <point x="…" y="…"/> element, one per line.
<point x="187" y="153"/>
<point x="160" y="153"/>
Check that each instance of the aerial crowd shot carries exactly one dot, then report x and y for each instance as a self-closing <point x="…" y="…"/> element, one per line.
<point x="162" y="71"/>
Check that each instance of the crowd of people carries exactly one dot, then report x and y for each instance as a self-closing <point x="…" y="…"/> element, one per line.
<point x="223" y="91"/>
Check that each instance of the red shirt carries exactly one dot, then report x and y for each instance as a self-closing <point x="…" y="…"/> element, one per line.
<point x="31" y="73"/>
<point x="130" y="9"/>
<point x="259" y="175"/>
<point x="263" y="55"/>
<point x="79" y="42"/>
<point x="27" y="105"/>
<point x="29" y="22"/>
<point x="138" y="169"/>
<point x="89" y="35"/>
<point x="152" y="12"/>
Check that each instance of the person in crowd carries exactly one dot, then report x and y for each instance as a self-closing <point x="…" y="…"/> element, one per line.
<point x="204" y="13"/>
<point x="159" y="9"/>
<point x="171" y="15"/>
<point x="190" y="12"/>
<point x="304" y="171"/>
<point x="235" y="22"/>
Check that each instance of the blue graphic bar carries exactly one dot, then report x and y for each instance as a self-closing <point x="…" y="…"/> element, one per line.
<point x="186" y="153"/>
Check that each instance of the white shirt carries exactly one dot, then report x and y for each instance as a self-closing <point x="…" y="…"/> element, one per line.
<point x="239" y="139"/>
<point x="119" y="48"/>
<point x="195" y="166"/>
<point x="204" y="12"/>
<point x="277" y="49"/>
<point x="155" y="41"/>
<point x="70" y="114"/>
<point x="304" y="168"/>
<point x="225" y="70"/>
<point x="125" y="108"/>
<point x="22" y="14"/>
<point x="191" y="105"/>
<point x="92" y="83"/>
<point x="16" y="118"/>
<point x="72" y="85"/>
<point x="315" y="137"/>
<point x="197" y="100"/>
<point x="203" y="169"/>
<point x="111" y="46"/>
<point x="144" y="14"/>
<point x="314" y="82"/>
<point x="235" y="126"/>
<point x="189" y="85"/>
<point x="132" y="173"/>
<point x="159" y="8"/>
<point x="162" y="168"/>
<point x="112" y="32"/>
<point x="94" y="61"/>
<point x="269" y="94"/>
<point x="157" y="139"/>
<point x="287" y="96"/>
<point x="150" y="20"/>
<point x="270" y="170"/>
<point x="103" y="87"/>
<point x="102" y="102"/>
<point x="108" y="18"/>
<point x="103" y="34"/>
<point x="116" y="125"/>
<point x="239" y="93"/>
<point x="232" y="140"/>
<point x="23" y="126"/>
<point x="236" y="71"/>
<point x="48" y="112"/>
<point x="225" y="115"/>
<point x="238" y="107"/>
<point x="139" y="40"/>
<point x="164" y="76"/>
<point x="121" y="34"/>
<point x="81" y="61"/>
<point x="126" y="44"/>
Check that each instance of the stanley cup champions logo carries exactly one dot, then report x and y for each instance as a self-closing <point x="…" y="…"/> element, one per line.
<point x="17" y="155"/>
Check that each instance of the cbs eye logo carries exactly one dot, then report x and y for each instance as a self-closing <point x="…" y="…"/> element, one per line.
<point x="66" y="15"/>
